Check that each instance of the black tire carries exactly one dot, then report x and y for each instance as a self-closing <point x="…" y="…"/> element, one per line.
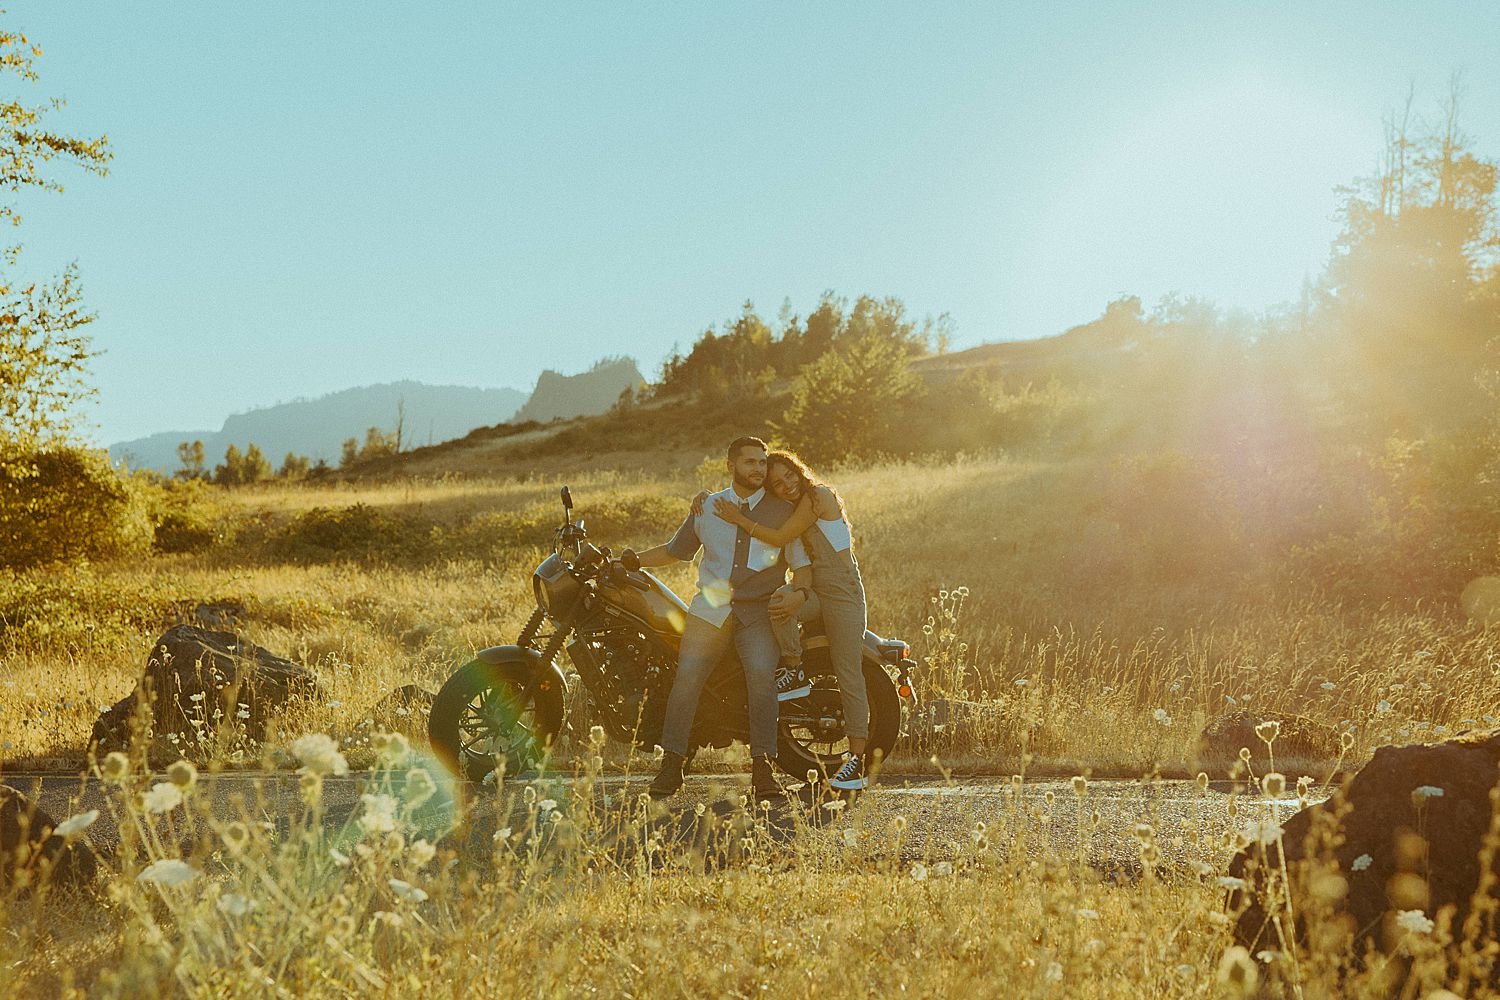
<point x="801" y="747"/>
<point x="482" y="715"/>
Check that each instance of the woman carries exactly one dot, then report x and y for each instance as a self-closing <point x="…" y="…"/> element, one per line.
<point x="820" y="521"/>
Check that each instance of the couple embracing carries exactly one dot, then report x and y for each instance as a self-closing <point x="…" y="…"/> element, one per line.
<point x="775" y="515"/>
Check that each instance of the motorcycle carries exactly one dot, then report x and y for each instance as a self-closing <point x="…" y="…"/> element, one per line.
<point x="621" y="629"/>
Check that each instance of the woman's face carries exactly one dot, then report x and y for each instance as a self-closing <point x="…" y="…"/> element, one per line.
<point x="786" y="484"/>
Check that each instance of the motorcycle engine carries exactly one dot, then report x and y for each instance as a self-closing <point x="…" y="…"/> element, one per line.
<point x="628" y="676"/>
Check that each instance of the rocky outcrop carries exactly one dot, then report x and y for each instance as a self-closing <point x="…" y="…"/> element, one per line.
<point x="1296" y="739"/>
<point x="1408" y="832"/>
<point x="31" y="854"/>
<point x="199" y="683"/>
<point x="583" y="395"/>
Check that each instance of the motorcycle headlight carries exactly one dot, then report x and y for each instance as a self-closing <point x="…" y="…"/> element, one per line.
<point x="542" y="599"/>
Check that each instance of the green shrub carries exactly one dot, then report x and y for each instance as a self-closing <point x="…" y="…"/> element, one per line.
<point x="62" y="504"/>
<point x="185" y="514"/>
<point x="360" y="533"/>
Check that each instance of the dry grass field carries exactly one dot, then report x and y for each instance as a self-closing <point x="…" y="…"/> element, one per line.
<point x="1069" y="597"/>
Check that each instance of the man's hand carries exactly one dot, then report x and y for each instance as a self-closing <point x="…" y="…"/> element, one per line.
<point x="785" y="604"/>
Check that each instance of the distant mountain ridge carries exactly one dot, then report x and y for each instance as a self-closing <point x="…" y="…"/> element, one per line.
<point x="583" y="395"/>
<point x="318" y="427"/>
<point x="429" y="414"/>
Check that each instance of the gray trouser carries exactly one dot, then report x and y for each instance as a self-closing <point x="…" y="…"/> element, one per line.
<point x="844" y="625"/>
<point x="703" y="646"/>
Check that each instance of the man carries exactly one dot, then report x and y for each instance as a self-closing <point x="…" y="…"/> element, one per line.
<point x="736" y="579"/>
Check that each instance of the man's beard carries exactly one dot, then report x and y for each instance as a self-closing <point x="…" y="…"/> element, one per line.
<point x="744" y="484"/>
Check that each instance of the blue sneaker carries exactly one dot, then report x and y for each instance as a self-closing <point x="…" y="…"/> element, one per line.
<point x="851" y="775"/>
<point x="792" y="683"/>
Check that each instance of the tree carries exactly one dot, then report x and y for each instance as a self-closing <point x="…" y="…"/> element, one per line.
<point x="293" y="467"/>
<point x="43" y="353"/>
<point x="349" y="453"/>
<point x="232" y="472"/>
<point x="850" y="402"/>
<point x="190" y="454"/>
<point x="256" y="467"/>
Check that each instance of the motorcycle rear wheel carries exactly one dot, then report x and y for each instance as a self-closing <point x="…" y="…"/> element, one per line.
<point x="484" y="716"/>
<point x="804" y="746"/>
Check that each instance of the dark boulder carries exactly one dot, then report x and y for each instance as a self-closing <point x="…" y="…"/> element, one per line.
<point x="199" y="683"/>
<point x="31" y="854"/>
<point x="1298" y="741"/>
<point x="1388" y="841"/>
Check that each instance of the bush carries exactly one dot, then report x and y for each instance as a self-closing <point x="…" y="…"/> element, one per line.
<point x="61" y="504"/>
<point x="185" y="515"/>
<point x="361" y="533"/>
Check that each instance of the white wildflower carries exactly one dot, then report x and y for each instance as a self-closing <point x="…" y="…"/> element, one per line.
<point x="1230" y="882"/>
<point x="168" y="871"/>
<point x="163" y="797"/>
<point x="319" y="754"/>
<point x="1266" y="831"/>
<point x="422" y="852"/>
<point x="405" y="891"/>
<point x="339" y="857"/>
<point x="918" y="872"/>
<point x="76" y="824"/>
<point x="836" y="806"/>
<point x="1382" y="706"/>
<point x="1328" y="685"/>
<point x="1161" y="717"/>
<point x="1360" y="863"/>
<point x="234" y="905"/>
<point x="1414" y="922"/>
<point x="380" y="813"/>
<point x="420" y="786"/>
<point x="1087" y="914"/>
<point x="943" y="868"/>
<point x="851" y="838"/>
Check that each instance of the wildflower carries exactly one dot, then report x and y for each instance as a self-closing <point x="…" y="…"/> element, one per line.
<point x="380" y="813"/>
<point x="1245" y="754"/>
<point x="1143" y="832"/>
<point x="1237" y="972"/>
<point x="1346" y="741"/>
<point x="812" y="776"/>
<point x="116" y="767"/>
<point x="234" y="905"/>
<point x="392" y="749"/>
<point x="1021" y="682"/>
<point x="243" y="713"/>
<point x="419" y="787"/>
<point x="1185" y="971"/>
<point x="1414" y="922"/>
<point x="405" y="891"/>
<point x="836" y="806"/>
<point x="1422" y="793"/>
<point x="899" y="823"/>
<point x="596" y="737"/>
<point x="319" y="754"/>
<point x="1328" y="685"/>
<point x="1266" y="831"/>
<point x="76" y="824"/>
<point x="699" y="809"/>
<point x="851" y="838"/>
<point x="1087" y="914"/>
<point x="1230" y="882"/>
<point x="502" y="835"/>
<point x="236" y="837"/>
<point x="943" y="868"/>
<point x="1229" y="700"/>
<point x="1161" y="717"/>
<point x="422" y="852"/>
<point x="310" y="787"/>
<point x="1268" y="956"/>
<point x="339" y="857"/>
<point x="168" y="871"/>
<point x="918" y="872"/>
<point x="1273" y="784"/>
<point x="183" y="774"/>
<point x="1268" y="730"/>
<point x="528" y="795"/>
<point x="163" y="797"/>
<point x="1382" y="707"/>
<point x="1202" y="781"/>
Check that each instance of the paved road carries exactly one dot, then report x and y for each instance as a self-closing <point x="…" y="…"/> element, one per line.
<point x="941" y="818"/>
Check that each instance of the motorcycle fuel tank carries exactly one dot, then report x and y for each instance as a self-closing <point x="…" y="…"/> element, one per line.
<point x="657" y="606"/>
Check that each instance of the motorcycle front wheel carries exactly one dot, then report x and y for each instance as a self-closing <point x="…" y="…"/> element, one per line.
<point x="484" y="716"/>
<point x="810" y="735"/>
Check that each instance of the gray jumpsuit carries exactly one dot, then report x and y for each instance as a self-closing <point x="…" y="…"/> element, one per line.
<point x="841" y="599"/>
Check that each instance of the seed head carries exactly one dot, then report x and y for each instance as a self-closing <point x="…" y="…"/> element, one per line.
<point x="1268" y="731"/>
<point x="183" y="774"/>
<point x="1080" y="785"/>
<point x="1202" y="781"/>
<point x="116" y="767"/>
<point x="1273" y="784"/>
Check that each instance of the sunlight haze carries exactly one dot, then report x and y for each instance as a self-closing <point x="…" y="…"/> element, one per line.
<point x="308" y="198"/>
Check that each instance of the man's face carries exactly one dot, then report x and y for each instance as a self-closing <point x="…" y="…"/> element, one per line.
<point x="748" y="468"/>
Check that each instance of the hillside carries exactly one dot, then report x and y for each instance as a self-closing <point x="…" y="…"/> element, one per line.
<point x="594" y="391"/>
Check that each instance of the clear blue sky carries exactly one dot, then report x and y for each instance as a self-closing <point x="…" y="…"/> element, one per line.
<point x="311" y="196"/>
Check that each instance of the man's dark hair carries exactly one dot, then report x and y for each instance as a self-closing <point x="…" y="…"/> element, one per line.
<point x="745" y="442"/>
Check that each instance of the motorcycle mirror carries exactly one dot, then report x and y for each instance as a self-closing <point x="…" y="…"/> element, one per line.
<point x="567" y="499"/>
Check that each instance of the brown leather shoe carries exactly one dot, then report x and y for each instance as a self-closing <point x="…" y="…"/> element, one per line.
<point x="669" y="778"/>
<point x="763" y="781"/>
